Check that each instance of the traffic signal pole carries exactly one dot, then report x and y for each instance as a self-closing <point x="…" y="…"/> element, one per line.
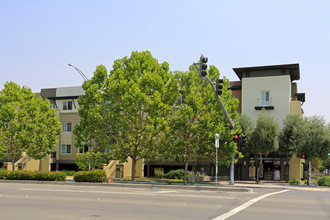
<point x="203" y="74"/>
<point x="231" y="124"/>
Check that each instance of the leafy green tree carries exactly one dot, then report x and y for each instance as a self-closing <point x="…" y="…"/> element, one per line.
<point x="98" y="159"/>
<point x="287" y="142"/>
<point x="140" y="94"/>
<point x="312" y="139"/>
<point x="27" y="124"/>
<point x="247" y="126"/>
<point x="196" y="119"/>
<point x="264" y="138"/>
<point x="93" y="129"/>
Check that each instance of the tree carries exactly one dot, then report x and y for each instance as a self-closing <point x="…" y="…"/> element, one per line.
<point x="93" y="130"/>
<point x="27" y="124"/>
<point x="195" y="120"/>
<point x="247" y="126"/>
<point x="98" y="159"/>
<point x="287" y="143"/>
<point x="312" y="139"/>
<point x="140" y="94"/>
<point x="264" y="138"/>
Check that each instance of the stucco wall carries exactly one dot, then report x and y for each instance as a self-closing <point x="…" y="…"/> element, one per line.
<point x="279" y="88"/>
<point x="70" y="91"/>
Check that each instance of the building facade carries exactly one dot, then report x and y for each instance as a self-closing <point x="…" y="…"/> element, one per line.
<point x="272" y="90"/>
<point x="65" y="101"/>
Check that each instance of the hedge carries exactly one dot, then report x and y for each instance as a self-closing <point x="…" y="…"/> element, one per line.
<point x="32" y="175"/>
<point x="90" y="176"/>
<point x="175" y="174"/>
<point x="324" y="181"/>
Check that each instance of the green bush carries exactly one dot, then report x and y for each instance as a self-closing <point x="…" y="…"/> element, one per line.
<point x="34" y="175"/>
<point x="324" y="181"/>
<point x="69" y="172"/>
<point x="175" y="174"/>
<point x="159" y="172"/>
<point x="3" y="173"/>
<point x="294" y="182"/>
<point x="90" y="176"/>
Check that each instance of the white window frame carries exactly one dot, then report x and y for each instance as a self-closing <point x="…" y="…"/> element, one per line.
<point x="265" y="98"/>
<point x="66" y="127"/>
<point x="67" y="105"/>
<point x="66" y="149"/>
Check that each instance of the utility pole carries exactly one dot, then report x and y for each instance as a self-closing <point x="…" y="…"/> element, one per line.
<point x="90" y="143"/>
<point x="216" y="158"/>
<point x="203" y="74"/>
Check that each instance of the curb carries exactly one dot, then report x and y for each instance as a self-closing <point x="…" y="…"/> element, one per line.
<point x="138" y="185"/>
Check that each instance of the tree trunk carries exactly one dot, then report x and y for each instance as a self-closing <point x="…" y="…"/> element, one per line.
<point x="185" y="170"/>
<point x="133" y="168"/>
<point x="13" y="164"/>
<point x="258" y="168"/>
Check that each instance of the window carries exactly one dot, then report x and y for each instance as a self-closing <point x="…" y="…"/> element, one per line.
<point x="67" y="105"/>
<point x="66" y="149"/>
<point x="52" y="105"/>
<point x="83" y="149"/>
<point x="264" y="98"/>
<point x="66" y="127"/>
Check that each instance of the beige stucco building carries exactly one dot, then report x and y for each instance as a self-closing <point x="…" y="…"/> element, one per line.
<point x="273" y="90"/>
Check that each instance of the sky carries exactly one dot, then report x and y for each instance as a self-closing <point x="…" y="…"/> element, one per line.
<point x="38" y="39"/>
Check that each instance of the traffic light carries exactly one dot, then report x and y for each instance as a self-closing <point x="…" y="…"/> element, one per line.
<point x="236" y="138"/>
<point x="219" y="86"/>
<point x="303" y="156"/>
<point x="243" y="140"/>
<point x="202" y="66"/>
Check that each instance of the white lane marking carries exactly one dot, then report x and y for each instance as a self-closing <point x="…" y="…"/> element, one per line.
<point x="245" y="205"/>
<point x="165" y="192"/>
<point x="126" y="193"/>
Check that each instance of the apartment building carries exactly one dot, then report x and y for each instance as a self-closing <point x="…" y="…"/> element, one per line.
<point x="65" y="101"/>
<point x="272" y="89"/>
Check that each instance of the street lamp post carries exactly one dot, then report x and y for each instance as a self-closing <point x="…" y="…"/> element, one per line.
<point x="90" y="143"/>
<point x="216" y="158"/>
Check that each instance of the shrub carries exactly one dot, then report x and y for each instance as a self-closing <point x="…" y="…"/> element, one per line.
<point x="294" y="182"/>
<point x="197" y="173"/>
<point x="159" y="172"/>
<point x="90" y="176"/>
<point x="3" y="173"/>
<point x="69" y="172"/>
<point x="97" y="160"/>
<point x="34" y="175"/>
<point x="175" y="174"/>
<point x="324" y="181"/>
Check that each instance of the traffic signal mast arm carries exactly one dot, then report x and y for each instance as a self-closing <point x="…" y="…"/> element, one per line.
<point x="231" y="123"/>
<point x="202" y="68"/>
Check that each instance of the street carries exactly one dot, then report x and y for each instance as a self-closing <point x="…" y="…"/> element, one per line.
<point x="55" y="201"/>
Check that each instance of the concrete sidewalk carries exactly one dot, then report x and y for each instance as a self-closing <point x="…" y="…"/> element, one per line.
<point x="239" y="186"/>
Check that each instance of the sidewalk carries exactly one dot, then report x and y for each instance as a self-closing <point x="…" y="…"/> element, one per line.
<point x="239" y="186"/>
<point x="275" y="185"/>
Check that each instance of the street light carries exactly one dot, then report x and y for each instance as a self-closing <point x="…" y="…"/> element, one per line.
<point x="79" y="71"/>
<point x="89" y="147"/>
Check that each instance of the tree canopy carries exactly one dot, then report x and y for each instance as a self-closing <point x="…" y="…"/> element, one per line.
<point x="197" y="117"/>
<point x="127" y="109"/>
<point x="27" y="123"/>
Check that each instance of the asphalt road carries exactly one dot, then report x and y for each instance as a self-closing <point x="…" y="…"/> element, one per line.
<point x="48" y="201"/>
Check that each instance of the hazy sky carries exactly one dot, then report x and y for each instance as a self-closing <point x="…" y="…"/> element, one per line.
<point x="39" y="38"/>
